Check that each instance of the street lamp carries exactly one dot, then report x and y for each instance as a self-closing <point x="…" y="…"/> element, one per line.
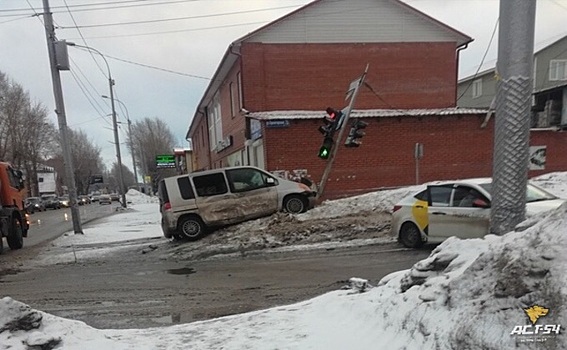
<point x="114" y="124"/>
<point x="131" y="141"/>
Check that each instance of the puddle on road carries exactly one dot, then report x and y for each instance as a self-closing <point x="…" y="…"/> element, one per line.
<point x="181" y="271"/>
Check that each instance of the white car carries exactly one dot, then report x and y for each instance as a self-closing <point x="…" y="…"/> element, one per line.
<point x="459" y="208"/>
<point x="104" y="199"/>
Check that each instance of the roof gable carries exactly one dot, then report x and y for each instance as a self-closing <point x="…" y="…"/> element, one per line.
<point x="372" y="21"/>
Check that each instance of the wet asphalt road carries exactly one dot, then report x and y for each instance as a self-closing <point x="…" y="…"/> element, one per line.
<point x="140" y="288"/>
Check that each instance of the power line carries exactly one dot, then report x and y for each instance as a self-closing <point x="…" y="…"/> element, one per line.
<point x="158" y="68"/>
<point x="83" y="38"/>
<point x="81" y="7"/>
<point x="175" y="31"/>
<point x="481" y="61"/>
<point x="176" y="18"/>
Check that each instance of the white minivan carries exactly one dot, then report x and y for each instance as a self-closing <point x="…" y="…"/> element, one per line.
<point x="192" y="204"/>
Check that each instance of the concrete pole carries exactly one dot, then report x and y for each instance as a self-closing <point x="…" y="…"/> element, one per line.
<point x="512" y="119"/>
<point x="61" y="118"/>
<point x="116" y="140"/>
<point x="336" y="144"/>
<point x="132" y="151"/>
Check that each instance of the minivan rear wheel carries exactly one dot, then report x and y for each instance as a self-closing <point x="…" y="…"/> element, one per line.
<point x="191" y="227"/>
<point x="295" y="204"/>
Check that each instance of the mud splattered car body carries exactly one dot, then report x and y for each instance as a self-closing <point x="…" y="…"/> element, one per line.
<point x="191" y="204"/>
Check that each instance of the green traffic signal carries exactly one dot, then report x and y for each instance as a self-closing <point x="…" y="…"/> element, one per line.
<point x="324" y="153"/>
<point x="325" y="150"/>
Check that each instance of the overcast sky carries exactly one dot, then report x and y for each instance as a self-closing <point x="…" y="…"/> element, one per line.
<point x="162" y="63"/>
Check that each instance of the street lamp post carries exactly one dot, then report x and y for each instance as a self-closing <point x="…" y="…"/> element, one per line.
<point x="131" y="141"/>
<point x="114" y="124"/>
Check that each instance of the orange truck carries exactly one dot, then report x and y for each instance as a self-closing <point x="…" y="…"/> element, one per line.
<point x="13" y="221"/>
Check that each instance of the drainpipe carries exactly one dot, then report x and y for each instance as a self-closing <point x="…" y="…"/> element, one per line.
<point x="462" y="47"/>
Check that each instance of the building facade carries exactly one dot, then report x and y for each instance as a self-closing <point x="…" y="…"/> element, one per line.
<point x="549" y="102"/>
<point x="268" y="97"/>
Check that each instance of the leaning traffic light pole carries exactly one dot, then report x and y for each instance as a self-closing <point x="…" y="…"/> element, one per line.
<point x="339" y="118"/>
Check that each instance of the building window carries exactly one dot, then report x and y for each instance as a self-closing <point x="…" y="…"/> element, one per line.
<point x="557" y="70"/>
<point x="215" y="122"/>
<point x="233" y="108"/>
<point x="239" y="87"/>
<point x="477" y="88"/>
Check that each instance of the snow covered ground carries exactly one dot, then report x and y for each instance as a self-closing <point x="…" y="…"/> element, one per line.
<point x="504" y="292"/>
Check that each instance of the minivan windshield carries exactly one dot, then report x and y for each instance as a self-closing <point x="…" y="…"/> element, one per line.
<point x="533" y="194"/>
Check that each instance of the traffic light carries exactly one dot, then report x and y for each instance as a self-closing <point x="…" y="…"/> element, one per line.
<point x="325" y="150"/>
<point x="335" y="118"/>
<point x="355" y="134"/>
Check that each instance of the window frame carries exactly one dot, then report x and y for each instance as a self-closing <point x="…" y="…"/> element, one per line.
<point x="476" y="88"/>
<point x="202" y="193"/>
<point x="231" y="183"/>
<point x="554" y="68"/>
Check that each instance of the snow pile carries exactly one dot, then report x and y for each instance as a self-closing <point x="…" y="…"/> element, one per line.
<point x="468" y="294"/>
<point x="120" y="231"/>
<point x="136" y="197"/>
<point x="553" y="183"/>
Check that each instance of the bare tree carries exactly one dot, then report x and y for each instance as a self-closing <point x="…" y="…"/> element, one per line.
<point x="113" y="177"/>
<point x="152" y="137"/>
<point x="25" y="132"/>
<point x="86" y="157"/>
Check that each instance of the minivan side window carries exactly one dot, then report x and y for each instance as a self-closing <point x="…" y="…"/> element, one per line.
<point x="243" y="180"/>
<point x="185" y="188"/>
<point x="210" y="185"/>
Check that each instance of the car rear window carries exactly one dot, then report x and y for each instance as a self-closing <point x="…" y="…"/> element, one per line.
<point x="162" y="193"/>
<point x="422" y="196"/>
<point x="185" y="188"/>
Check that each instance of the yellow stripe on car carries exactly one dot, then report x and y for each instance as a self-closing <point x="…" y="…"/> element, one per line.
<point x="419" y="213"/>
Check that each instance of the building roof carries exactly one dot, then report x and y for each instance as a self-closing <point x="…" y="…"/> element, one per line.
<point x="493" y="69"/>
<point x="368" y="113"/>
<point x="231" y="55"/>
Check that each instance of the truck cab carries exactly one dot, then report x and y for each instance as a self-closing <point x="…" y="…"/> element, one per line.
<point x="13" y="223"/>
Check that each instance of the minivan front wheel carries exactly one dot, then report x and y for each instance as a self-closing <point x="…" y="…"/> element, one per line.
<point x="191" y="227"/>
<point x="295" y="204"/>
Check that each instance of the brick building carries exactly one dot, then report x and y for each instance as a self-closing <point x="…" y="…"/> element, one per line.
<point x="268" y="96"/>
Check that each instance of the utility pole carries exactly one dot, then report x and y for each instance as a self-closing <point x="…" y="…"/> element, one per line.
<point x="132" y="151"/>
<point x="116" y="140"/>
<point x="61" y="118"/>
<point x="352" y="93"/>
<point x="512" y="118"/>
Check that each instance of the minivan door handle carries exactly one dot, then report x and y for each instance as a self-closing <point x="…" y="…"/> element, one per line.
<point x="438" y="213"/>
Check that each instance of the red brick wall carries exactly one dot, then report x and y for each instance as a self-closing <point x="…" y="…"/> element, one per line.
<point x="454" y="147"/>
<point x="556" y="142"/>
<point x="314" y="76"/>
<point x="200" y="138"/>
<point x="233" y="122"/>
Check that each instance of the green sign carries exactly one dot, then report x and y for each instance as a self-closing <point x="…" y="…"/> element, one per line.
<point x="165" y="161"/>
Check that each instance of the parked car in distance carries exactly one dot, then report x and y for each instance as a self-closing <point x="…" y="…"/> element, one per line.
<point x="95" y="196"/>
<point x="459" y="208"/>
<point x="51" y="201"/>
<point x="82" y="200"/>
<point x="64" y="201"/>
<point x="115" y="197"/>
<point x="33" y="204"/>
<point x="192" y="204"/>
<point x="104" y="199"/>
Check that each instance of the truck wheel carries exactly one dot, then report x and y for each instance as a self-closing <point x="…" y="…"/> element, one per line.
<point x="16" y="238"/>
<point x="295" y="204"/>
<point x="191" y="227"/>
